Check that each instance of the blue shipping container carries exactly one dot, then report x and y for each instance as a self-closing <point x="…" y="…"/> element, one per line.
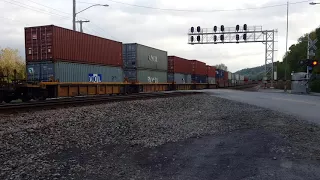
<point x="199" y="78"/>
<point x="219" y="74"/>
<point x="40" y="71"/>
<point x="170" y="77"/>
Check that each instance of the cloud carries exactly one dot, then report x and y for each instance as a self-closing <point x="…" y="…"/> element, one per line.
<point x="164" y="29"/>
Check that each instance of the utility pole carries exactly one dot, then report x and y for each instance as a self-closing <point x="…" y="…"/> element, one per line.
<point x="286" y="63"/>
<point x="81" y="21"/>
<point x="74" y="15"/>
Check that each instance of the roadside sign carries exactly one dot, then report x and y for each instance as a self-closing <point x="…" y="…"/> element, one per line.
<point x="312" y="44"/>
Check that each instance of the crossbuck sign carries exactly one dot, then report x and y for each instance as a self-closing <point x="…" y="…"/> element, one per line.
<point x="312" y="44"/>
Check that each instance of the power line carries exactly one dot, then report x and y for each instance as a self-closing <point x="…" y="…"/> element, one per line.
<point x="32" y="8"/>
<point x="189" y="10"/>
<point x="49" y="7"/>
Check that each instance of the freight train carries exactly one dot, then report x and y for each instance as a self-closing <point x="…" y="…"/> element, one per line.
<point x="65" y="63"/>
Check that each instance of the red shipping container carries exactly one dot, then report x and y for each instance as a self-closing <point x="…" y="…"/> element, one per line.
<point x="225" y="75"/>
<point x="53" y="43"/>
<point x="179" y="65"/>
<point x="211" y="71"/>
<point x="199" y="68"/>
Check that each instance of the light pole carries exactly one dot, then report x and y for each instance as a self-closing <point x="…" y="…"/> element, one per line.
<point x="286" y="64"/>
<point x="75" y="13"/>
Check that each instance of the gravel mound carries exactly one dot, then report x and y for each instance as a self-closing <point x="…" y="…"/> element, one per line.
<point x="92" y="142"/>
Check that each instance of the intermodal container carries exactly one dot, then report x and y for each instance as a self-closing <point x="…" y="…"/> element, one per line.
<point x="225" y="75"/>
<point x="53" y="43"/>
<point x="179" y="65"/>
<point x="241" y="78"/>
<point x="233" y="76"/>
<point x="219" y="74"/>
<point x="229" y="76"/>
<point x="211" y="80"/>
<point x="145" y="76"/>
<point x="143" y="57"/>
<point x="72" y="72"/>
<point x="199" y="78"/>
<point x="179" y="78"/>
<point x="246" y="78"/>
<point x="211" y="71"/>
<point x="237" y="77"/>
<point x="199" y="68"/>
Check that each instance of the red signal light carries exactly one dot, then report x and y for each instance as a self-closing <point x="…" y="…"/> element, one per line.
<point x="314" y="63"/>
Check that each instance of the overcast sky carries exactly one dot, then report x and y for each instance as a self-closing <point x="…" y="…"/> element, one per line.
<point x="166" y="29"/>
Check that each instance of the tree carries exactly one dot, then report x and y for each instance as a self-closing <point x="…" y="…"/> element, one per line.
<point x="222" y="67"/>
<point x="10" y="60"/>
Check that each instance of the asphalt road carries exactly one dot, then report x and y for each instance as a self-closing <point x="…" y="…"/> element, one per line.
<point x="306" y="107"/>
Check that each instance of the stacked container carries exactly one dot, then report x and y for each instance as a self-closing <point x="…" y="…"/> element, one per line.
<point x="241" y="80"/>
<point x="144" y="64"/>
<point x="55" y="53"/>
<point x="220" y="77"/>
<point x="211" y="73"/>
<point x="229" y="78"/>
<point x="199" y="72"/>
<point x="179" y="70"/>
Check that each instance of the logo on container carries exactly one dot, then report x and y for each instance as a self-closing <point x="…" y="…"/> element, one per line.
<point x="152" y="79"/>
<point x="95" y="78"/>
<point x="153" y="58"/>
<point x="31" y="70"/>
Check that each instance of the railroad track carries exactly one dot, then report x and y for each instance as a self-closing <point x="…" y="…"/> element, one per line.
<point x="76" y="101"/>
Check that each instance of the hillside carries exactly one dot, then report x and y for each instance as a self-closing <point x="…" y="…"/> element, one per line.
<point x="253" y="73"/>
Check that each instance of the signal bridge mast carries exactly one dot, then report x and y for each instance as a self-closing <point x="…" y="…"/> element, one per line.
<point x="237" y="35"/>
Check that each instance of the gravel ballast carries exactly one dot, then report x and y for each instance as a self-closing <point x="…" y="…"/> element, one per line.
<point x="108" y="141"/>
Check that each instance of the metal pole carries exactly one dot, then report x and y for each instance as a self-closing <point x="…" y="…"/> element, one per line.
<point x="81" y="30"/>
<point x="307" y="86"/>
<point x="272" y="75"/>
<point x="286" y="63"/>
<point x="74" y="15"/>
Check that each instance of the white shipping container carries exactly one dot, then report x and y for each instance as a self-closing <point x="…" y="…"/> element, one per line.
<point x="229" y="75"/>
<point x="211" y="80"/>
<point x="237" y="77"/>
<point x="241" y="78"/>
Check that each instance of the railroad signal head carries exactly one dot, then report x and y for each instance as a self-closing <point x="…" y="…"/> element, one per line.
<point x="222" y="37"/>
<point x="192" y="29"/>
<point x="222" y="28"/>
<point x="215" y="28"/>
<point x="314" y="63"/>
<point x="237" y="28"/>
<point x="245" y="27"/>
<point x="237" y="37"/>
<point x="215" y="37"/>
<point x="192" y="39"/>
<point x="245" y="37"/>
<point x="198" y="38"/>
<point x="198" y="29"/>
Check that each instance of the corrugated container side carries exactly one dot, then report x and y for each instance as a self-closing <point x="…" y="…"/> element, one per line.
<point x="246" y="78"/>
<point x="144" y="57"/>
<point x="229" y="76"/>
<point x="170" y="78"/>
<point x="75" y="72"/>
<point x="199" y="68"/>
<point x="182" y="78"/>
<point x="211" y="80"/>
<point x="233" y="76"/>
<point x="225" y="75"/>
<point x="219" y="74"/>
<point x="145" y="76"/>
<point x="211" y="71"/>
<point x="50" y="43"/>
<point x="179" y="65"/>
<point x="241" y="78"/>
<point x="199" y="78"/>
<point x="237" y="77"/>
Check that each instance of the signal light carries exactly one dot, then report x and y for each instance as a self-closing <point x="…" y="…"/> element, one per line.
<point x="245" y="27"/>
<point x="192" y="29"/>
<point x="314" y="63"/>
<point x="215" y="37"/>
<point x="222" y="28"/>
<point x="198" y="38"/>
<point x="222" y="37"/>
<point x="192" y="38"/>
<point x="198" y="29"/>
<point x="237" y="28"/>
<point x="237" y="37"/>
<point x="215" y="28"/>
<point x="245" y="37"/>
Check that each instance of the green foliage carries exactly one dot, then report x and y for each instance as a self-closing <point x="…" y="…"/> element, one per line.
<point x="255" y="73"/>
<point x="10" y="61"/>
<point x="222" y="67"/>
